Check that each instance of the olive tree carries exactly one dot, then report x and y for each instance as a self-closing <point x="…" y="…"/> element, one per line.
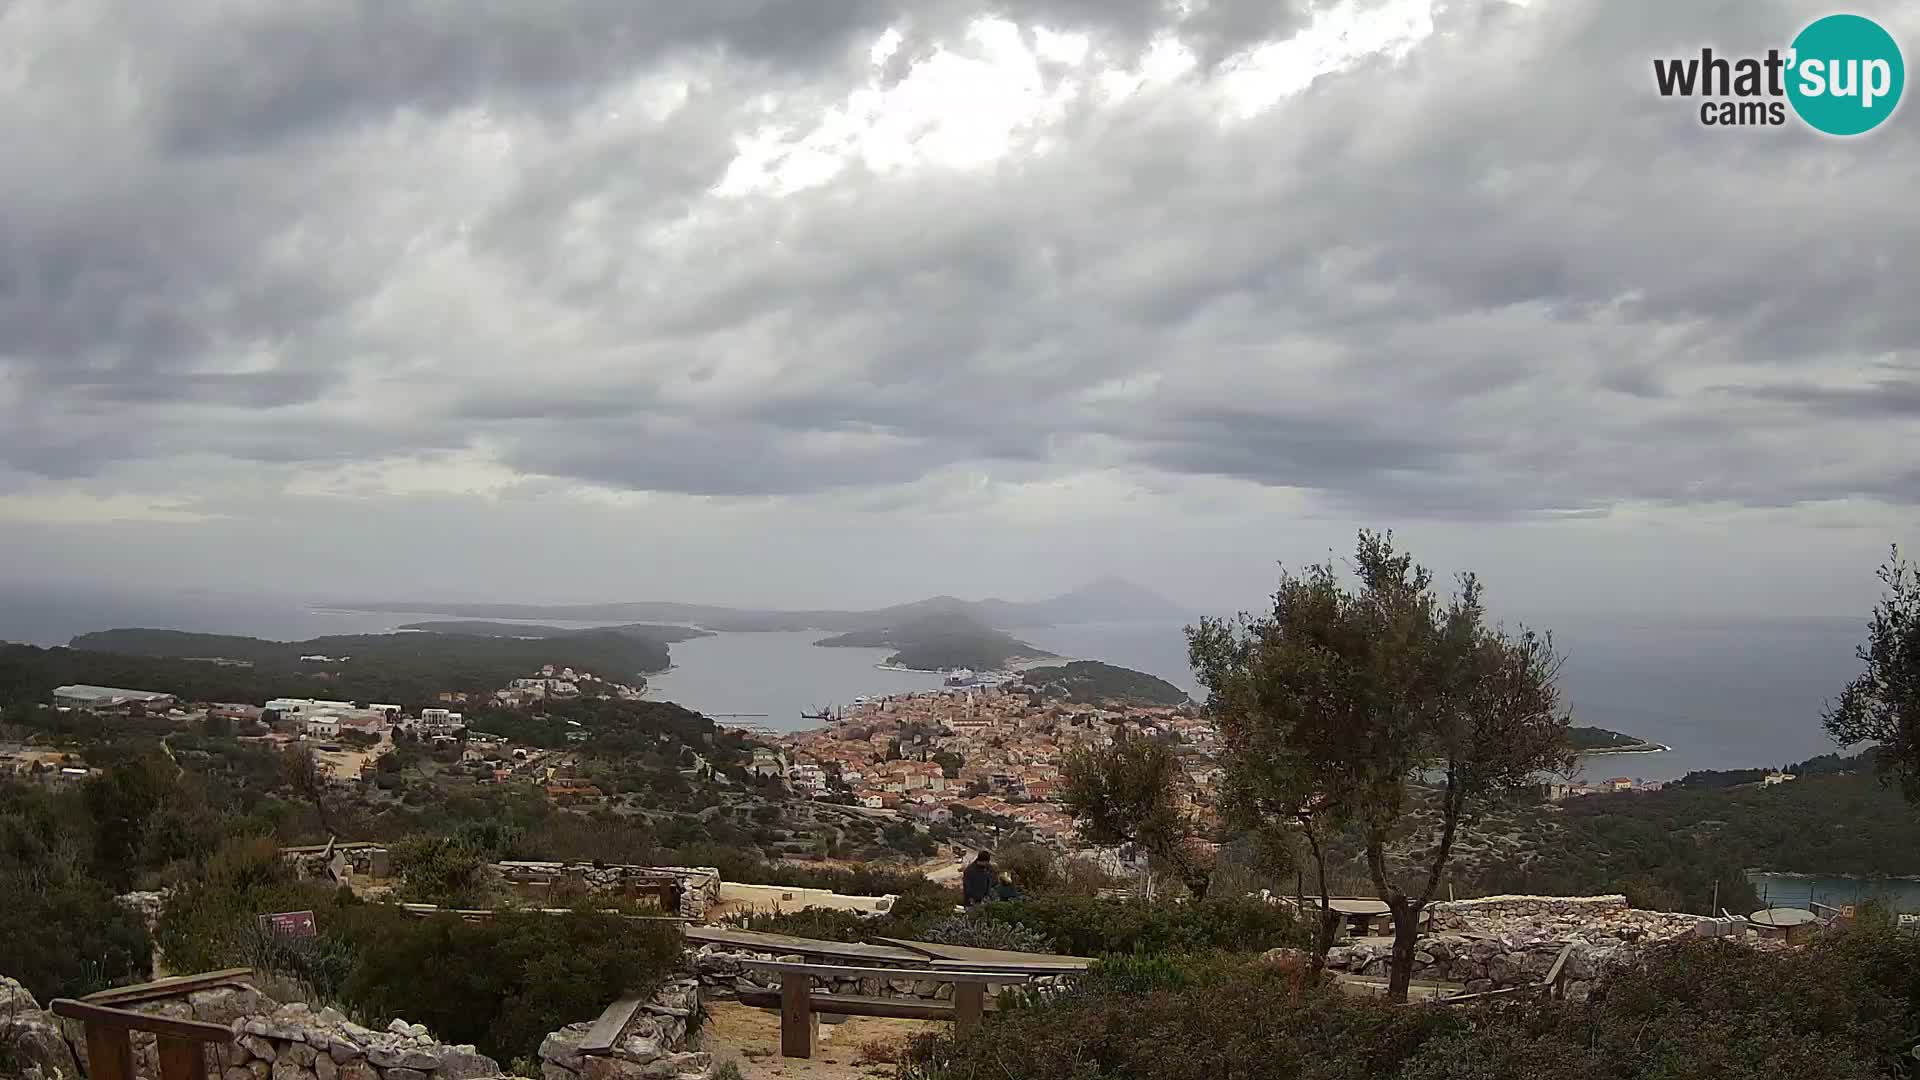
<point x="1353" y="704"/>
<point x="1135" y="791"/>
<point x="1882" y="704"/>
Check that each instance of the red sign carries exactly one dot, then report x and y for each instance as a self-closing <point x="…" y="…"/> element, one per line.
<point x="288" y="924"/>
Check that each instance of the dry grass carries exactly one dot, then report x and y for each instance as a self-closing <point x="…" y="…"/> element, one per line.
<point x="881" y="1052"/>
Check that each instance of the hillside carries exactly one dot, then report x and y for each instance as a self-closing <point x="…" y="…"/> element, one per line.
<point x="1095" y="683"/>
<point x="406" y="669"/>
<point x="1101" y="600"/>
<point x="941" y="642"/>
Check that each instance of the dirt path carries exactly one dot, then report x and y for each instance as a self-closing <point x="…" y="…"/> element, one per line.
<point x="751" y="1039"/>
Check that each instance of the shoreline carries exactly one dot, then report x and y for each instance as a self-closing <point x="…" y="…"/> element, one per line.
<point x="1829" y="877"/>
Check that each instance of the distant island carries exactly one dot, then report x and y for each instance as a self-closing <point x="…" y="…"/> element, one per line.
<point x="942" y="642"/>
<point x="1107" y="599"/>
<point x="664" y="634"/>
<point x="404" y="668"/>
<point x="1094" y="683"/>
<point x="1596" y="740"/>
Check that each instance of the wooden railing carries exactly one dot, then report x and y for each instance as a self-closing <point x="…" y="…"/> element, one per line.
<point x="181" y="1045"/>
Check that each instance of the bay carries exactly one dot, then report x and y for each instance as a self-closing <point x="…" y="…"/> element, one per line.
<point x="1722" y="693"/>
<point x="1788" y="890"/>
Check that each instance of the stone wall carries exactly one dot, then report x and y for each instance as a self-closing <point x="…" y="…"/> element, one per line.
<point x="1497" y="942"/>
<point x="699" y="885"/>
<point x="1481" y="963"/>
<point x="33" y="1037"/>
<point x="1564" y="918"/>
<point x="295" y="1042"/>
<point x="651" y="1045"/>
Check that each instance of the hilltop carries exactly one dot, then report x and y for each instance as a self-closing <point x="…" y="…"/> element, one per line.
<point x="942" y="641"/>
<point x="1092" y="682"/>
<point x="1101" y="600"/>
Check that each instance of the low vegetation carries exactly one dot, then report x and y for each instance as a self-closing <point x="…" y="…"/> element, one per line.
<point x="500" y="984"/>
<point x="1846" y="1009"/>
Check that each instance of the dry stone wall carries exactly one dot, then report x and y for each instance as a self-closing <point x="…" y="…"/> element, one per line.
<point x="1497" y="942"/>
<point x="32" y="1036"/>
<point x="653" y="1044"/>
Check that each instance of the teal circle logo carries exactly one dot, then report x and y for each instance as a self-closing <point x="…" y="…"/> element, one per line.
<point x="1846" y="74"/>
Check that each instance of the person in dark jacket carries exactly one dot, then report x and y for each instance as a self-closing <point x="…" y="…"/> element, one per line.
<point x="977" y="880"/>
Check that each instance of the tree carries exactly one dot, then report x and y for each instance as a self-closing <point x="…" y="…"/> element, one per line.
<point x="1133" y="791"/>
<point x="1882" y="704"/>
<point x="1353" y="705"/>
<point x="307" y="777"/>
<point x="123" y="802"/>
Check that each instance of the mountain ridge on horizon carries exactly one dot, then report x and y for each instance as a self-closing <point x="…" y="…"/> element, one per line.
<point x="1103" y="599"/>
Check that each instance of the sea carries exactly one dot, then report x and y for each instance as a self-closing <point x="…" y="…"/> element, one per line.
<point x="1719" y="693"/>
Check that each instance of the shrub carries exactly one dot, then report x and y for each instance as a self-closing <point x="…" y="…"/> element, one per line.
<point x="1846" y="1008"/>
<point x="448" y="871"/>
<point x="502" y="984"/>
<point x="985" y="934"/>
<point x="61" y="933"/>
<point x="211" y="922"/>
<point x="1085" y="926"/>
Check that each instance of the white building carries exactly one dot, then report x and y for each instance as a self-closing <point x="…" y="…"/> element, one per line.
<point x="86" y="696"/>
<point x="294" y="708"/>
<point x="322" y="726"/>
<point x="438" y="722"/>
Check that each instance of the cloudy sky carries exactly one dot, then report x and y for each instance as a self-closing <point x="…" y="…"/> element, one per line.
<point x="814" y="302"/>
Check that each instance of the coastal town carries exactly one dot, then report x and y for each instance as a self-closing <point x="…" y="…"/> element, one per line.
<point x="992" y="750"/>
<point x="988" y="747"/>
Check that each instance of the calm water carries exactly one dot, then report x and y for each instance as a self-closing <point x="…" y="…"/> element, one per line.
<point x="1722" y="693"/>
<point x="1780" y="891"/>
<point x="779" y="674"/>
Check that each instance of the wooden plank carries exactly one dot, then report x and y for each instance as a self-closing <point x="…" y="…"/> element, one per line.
<point x="949" y="956"/>
<point x="171" y="987"/>
<point x="613" y="1020"/>
<point x="969" y="1002"/>
<point x="941" y="974"/>
<point x="182" y="1059"/>
<point x="109" y="1051"/>
<point x="799" y="1028"/>
<point x="756" y="941"/>
<point x="100" y="1016"/>
<point x="1552" y="981"/>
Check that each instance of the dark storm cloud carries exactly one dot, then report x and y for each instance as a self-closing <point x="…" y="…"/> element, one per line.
<point x="1498" y="277"/>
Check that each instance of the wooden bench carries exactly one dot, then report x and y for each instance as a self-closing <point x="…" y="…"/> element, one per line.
<point x="800" y="1005"/>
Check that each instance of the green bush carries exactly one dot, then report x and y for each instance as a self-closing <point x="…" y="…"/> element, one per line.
<point x="985" y="934"/>
<point x="1085" y="926"/>
<point x="503" y="984"/>
<point x="61" y="933"/>
<point x="212" y="922"/>
<point x="451" y="871"/>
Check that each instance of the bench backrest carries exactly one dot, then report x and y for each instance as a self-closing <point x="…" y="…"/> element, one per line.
<point x="939" y="974"/>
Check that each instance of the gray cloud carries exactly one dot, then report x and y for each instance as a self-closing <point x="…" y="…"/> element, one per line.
<point x="1500" y="277"/>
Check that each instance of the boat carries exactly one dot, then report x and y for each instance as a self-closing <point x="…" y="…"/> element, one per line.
<point x="962" y="677"/>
